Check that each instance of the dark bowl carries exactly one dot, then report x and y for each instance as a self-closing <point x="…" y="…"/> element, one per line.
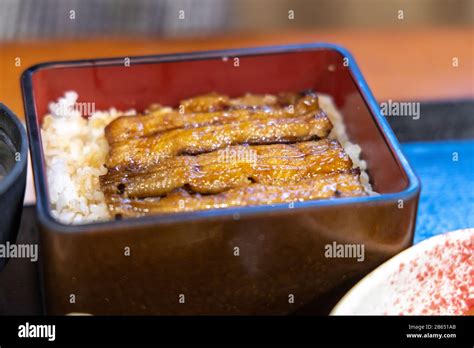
<point x="192" y="254"/>
<point x="13" y="159"/>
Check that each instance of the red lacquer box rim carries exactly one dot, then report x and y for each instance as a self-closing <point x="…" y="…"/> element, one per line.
<point x="34" y="133"/>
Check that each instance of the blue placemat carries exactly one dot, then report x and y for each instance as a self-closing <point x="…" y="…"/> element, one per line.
<point x="446" y="171"/>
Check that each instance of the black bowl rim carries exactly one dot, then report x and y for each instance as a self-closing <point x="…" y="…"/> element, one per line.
<point x="19" y="166"/>
<point x="46" y="218"/>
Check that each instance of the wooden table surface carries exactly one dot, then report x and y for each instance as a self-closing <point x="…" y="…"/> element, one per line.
<point x="398" y="64"/>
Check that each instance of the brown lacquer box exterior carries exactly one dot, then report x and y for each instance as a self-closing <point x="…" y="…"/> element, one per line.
<point x="252" y="260"/>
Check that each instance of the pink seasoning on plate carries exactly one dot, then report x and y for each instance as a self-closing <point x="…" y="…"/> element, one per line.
<point x="439" y="282"/>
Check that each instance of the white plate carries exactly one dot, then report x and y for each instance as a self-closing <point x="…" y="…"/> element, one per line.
<point x="434" y="277"/>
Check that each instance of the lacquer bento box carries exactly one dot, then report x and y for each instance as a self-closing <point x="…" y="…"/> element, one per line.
<point x="239" y="258"/>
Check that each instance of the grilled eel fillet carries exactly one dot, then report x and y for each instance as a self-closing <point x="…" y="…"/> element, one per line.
<point x="219" y="102"/>
<point x="322" y="186"/>
<point x="136" y="154"/>
<point x="207" y="110"/>
<point x="234" y="166"/>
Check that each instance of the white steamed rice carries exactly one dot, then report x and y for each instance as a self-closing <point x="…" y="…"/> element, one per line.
<point x="75" y="150"/>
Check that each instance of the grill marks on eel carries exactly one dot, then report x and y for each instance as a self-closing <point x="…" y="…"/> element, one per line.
<point x="207" y="110"/>
<point x="136" y="154"/>
<point x="213" y="173"/>
<point x="166" y="161"/>
<point x="344" y="184"/>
